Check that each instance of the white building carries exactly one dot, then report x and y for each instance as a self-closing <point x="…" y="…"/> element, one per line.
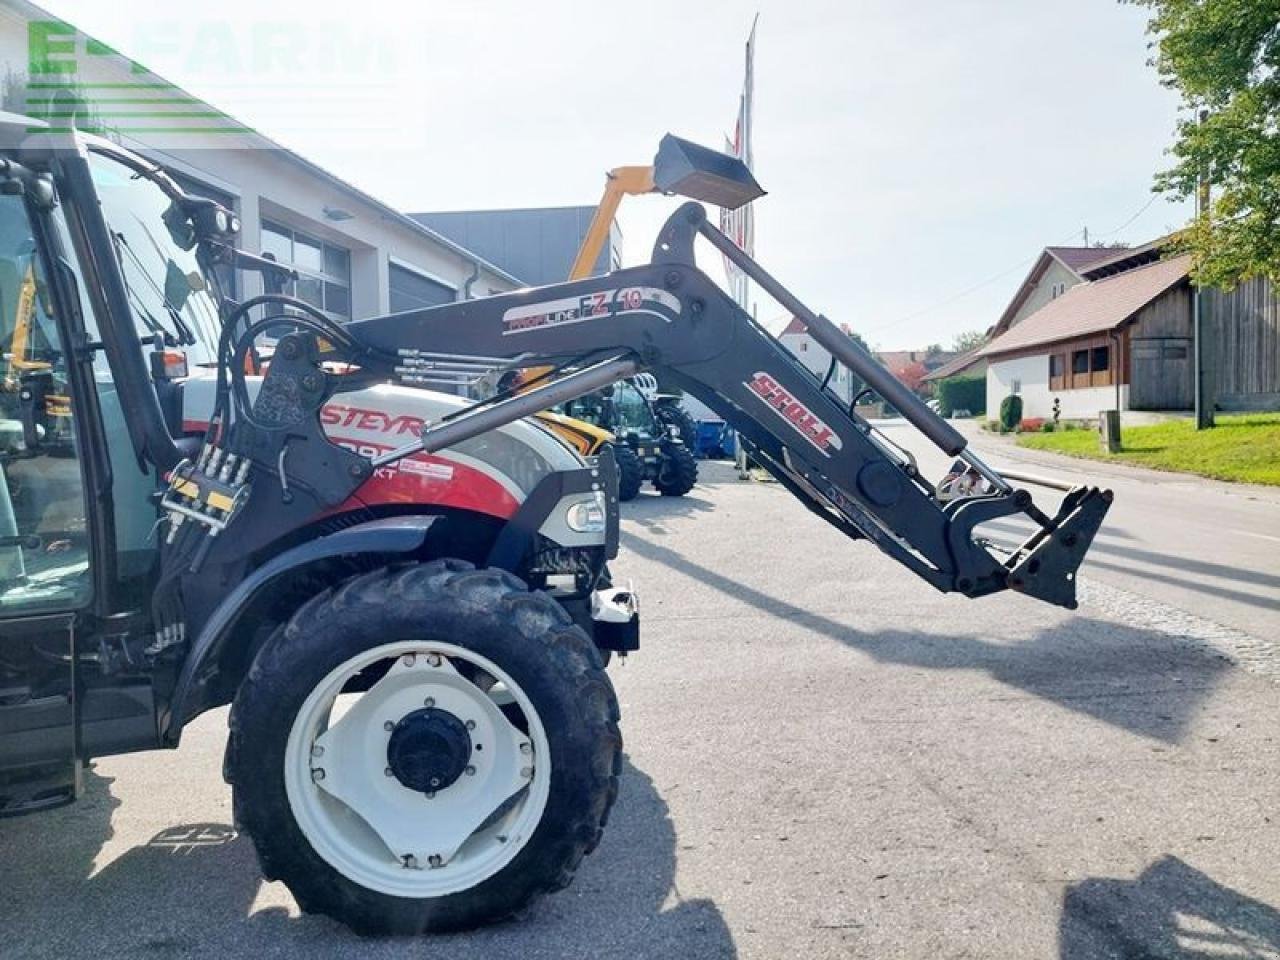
<point x="355" y="255"/>
<point x="795" y="337"/>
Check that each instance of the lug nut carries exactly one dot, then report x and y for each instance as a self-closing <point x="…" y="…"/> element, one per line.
<point x="525" y="748"/>
<point x="526" y="772"/>
<point x="434" y="659"/>
<point x="430" y="794"/>
<point x="389" y="772"/>
<point x="410" y="861"/>
<point x="471" y="771"/>
<point x="408" y="659"/>
<point x="317" y="774"/>
<point x="429" y="702"/>
<point x="388" y="726"/>
<point x="471" y="724"/>
<point x="317" y="751"/>
<point x="435" y="861"/>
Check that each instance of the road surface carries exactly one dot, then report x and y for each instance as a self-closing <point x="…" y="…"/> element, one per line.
<point x="825" y="758"/>
<point x="1207" y="548"/>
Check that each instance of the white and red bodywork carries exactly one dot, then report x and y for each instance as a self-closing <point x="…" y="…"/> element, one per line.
<point x="490" y="475"/>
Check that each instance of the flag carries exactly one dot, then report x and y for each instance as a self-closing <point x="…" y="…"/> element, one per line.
<point x="739" y="225"/>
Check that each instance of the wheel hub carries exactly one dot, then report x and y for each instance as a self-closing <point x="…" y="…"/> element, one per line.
<point x="429" y="750"/>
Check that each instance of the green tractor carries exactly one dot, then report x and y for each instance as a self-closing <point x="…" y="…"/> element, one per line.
<point x="648" y="447"/>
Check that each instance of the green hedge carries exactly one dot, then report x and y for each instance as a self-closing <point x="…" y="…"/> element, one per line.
<point x="1010" y="412"/>
<point x="962" y="393"/>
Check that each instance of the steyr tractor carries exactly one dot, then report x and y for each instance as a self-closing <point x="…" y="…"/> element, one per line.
<point x="422" y="733"/>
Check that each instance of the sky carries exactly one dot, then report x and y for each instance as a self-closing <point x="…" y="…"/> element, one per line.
<point x="918" y="156"/>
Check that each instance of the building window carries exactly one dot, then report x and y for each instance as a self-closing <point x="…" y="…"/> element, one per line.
<point x="1057" y="371"/>
<point x="1057" y="290"/>
<point x="324" y="270"/>
<point x="1101" y="359"/>
<point x="1080" y="361"/>
<point x="411" y="290"/>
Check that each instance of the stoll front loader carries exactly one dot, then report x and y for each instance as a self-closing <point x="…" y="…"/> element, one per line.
<point x="423" y="736"/>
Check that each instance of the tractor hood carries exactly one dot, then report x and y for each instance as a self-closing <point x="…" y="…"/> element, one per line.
<point x="493" y="473"/>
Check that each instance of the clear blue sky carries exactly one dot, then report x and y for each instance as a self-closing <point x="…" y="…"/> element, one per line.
<point x="912" y="151"/>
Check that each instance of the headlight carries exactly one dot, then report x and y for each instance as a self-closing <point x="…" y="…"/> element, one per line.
<point x="586" y="516"/>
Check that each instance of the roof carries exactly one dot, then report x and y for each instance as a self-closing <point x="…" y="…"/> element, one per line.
<point x="35" y="13"/>
<point x="796" y="326"/>
<point x="1129" y="257"/>
<point x="1092" y="307"/>
<point x="1078" y="259"/>
<point x="955" y="365"/>
<point x="1075" y="259"/>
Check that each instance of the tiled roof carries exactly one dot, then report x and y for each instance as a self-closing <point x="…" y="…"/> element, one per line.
<point x="1080" y="258"/>
<point x="955" y="365"/>
<point x="1092" y="307"/>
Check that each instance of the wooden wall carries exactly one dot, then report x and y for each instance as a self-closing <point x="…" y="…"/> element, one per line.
<point x="1161" y="353"/>
<point x="1244" y="326"/>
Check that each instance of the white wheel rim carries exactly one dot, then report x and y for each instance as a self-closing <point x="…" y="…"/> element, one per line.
<point x="378" y="832"/>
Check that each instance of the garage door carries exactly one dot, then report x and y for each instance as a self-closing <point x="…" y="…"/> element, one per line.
<point x="1161" y="373"/>
<point x="412" y="291"/>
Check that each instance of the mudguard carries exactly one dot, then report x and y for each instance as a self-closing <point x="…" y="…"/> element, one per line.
<point x="392" y="535"/>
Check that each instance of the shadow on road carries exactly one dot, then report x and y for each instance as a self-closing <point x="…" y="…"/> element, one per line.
<point x="1102" y="551"/>
<point x="1130" y="678"/>
<point x="1170" y="912"/>
<point x="194" y="890"/>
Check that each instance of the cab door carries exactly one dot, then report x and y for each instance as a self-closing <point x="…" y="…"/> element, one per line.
<point x="46" y="549"/>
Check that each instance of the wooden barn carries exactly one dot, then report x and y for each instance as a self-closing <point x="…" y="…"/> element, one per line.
<point x="1123" y="337"/>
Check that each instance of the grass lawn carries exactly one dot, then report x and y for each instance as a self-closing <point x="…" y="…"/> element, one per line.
<point x="1243" y="447"/>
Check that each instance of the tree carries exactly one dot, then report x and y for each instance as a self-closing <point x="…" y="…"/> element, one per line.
<point x="968" y="340"/>
<point x="1223" y="57"/>
<point x="911" y="374"/>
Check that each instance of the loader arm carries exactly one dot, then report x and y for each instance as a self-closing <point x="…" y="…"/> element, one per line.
<point x="670" y="317"/>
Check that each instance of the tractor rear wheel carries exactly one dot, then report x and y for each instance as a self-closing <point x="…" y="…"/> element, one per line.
<point x="424" y="748"/>
<point x="679" y="471"/>
<point x="673" y="415"/>
<point x="630" y="471"/>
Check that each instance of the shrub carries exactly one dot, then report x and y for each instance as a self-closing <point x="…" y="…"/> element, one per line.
<point x="1070" y="425"/>
<point x="1031" y="424"/>
<point x="1010" y="412"/>
<point x="962" y="393"/>
<point x="993" y="426"/>
<point x="1047" y="427"/>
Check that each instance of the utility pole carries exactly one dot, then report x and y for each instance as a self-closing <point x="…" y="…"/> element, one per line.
<point x="1203" y="345"/>
<point x="1086" y="236"/>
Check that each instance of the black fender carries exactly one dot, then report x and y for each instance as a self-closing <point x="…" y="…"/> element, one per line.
<point x="393" y="535"/>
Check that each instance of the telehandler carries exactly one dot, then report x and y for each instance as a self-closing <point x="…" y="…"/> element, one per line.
<point x="422" y="733"/>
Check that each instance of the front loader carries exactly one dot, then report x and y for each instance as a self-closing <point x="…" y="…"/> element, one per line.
<point x="423" y="736"/>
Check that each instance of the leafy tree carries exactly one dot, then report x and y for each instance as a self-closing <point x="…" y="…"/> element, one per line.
<point x="1223" y="57"/>
<point x="911" y="374"/>
<point x="968" y="340"/>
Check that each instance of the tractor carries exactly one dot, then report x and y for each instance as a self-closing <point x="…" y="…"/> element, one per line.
<point x="402" y="596"/>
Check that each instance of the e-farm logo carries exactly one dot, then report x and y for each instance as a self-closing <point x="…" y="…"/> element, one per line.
<point x="286" y="74"/>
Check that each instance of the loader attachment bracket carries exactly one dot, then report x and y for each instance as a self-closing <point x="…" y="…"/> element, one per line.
<point x="1045" y="566"/>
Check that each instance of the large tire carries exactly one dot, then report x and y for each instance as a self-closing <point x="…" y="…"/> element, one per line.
<point x="630" y="471"/>
<point x="679" y="471"/>
<point x="671" y="413"/>
<point x="491" y="615"/>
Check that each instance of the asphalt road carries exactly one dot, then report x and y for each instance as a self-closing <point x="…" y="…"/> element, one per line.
<point x="1207" y="548"/>
<point x="825" y="758"/>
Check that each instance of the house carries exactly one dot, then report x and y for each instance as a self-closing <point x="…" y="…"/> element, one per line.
<point x="1121" y="337"/>
<point x="796" y="338"/>
<point x="913" y="367"/>
<point x="356" y="256"/>
<point x="1056" y="270"/>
